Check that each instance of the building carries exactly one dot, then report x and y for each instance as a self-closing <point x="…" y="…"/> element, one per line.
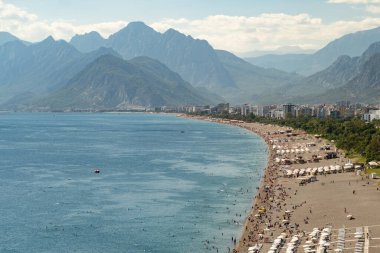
<point x="304" y="111"/>
<point x="371" y="115"/>
<point x="289" y="110"/>
<point x="245" y="109"/>
<point x="264" y="110"/>
<point x="220" y="108"/>
<point x="277" y="113"/>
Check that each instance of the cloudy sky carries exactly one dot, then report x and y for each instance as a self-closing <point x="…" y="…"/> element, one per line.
<point x="240" y="26"/>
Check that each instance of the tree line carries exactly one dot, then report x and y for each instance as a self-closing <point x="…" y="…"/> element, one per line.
<point x="353" y="135"/>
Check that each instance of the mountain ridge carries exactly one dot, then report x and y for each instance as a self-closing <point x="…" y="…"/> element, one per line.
<point x="350" y="78"/>
<point x="352" y="44"/>
<point x="110" y="82"/>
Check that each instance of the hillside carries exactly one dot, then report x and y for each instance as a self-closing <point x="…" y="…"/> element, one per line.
<point x="6" y="37"/>
<point x="364" y="87"/>
<point x="354" y="79"/>
<point x="40" y="68"/>
<point x="195" y="60"/>
<point x="353" y="45"/>
<point x="112" y="83"/>
<point x="254" y="83"/>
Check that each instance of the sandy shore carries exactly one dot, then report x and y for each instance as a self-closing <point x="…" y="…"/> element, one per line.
<point x="283" y="205"/>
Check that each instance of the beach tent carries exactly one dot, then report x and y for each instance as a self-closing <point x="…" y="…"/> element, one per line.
<point x="348" y="167"/>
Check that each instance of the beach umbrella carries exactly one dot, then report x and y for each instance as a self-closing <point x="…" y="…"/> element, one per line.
<point x="294" y="239"/>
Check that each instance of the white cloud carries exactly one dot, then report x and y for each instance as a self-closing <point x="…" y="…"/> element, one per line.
<point x="266" y="31"/>
<point x="354" y="1"/>
<point x="371" y="6"/>
<point x="30" y="27"/>
<point x="373" y="9"/>
<point x="238" y="34"/>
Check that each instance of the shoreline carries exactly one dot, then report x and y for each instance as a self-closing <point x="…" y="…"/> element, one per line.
<point x="267" y="174"/>
<point x="325" y="203"/>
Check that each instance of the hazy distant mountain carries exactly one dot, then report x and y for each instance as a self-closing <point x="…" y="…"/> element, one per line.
<point x="338" y="74"/>
<point x="291" y="63"/>
<point x="366" y="85"/>
<point x="195" y="60"/>
<point x="6" y="37"/>
<point x="352" y="45"/>
<point x="110" y="82"/>
<point x="255" y="84"/>
<point x="32" y="68"/>
<point x="40" y="67"/>
<point x="354" y="79"/>
<point x="88" y="42"/>
<point x="279" y="51"/>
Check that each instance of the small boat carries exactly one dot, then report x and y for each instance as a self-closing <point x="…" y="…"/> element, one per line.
<point x="97" y="171"/>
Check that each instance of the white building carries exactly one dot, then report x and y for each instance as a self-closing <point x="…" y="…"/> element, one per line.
<point x="371" y="115"/>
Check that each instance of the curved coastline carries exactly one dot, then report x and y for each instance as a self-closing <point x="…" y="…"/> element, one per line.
<point x="269" y="172"/>
<point x="326" y="200"/>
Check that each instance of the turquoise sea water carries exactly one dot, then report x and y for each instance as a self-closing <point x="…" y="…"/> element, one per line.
<point x="166" y="184"/>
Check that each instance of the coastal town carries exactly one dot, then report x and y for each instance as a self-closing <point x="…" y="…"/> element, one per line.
<point x="338" y="110"/>
<point x="312" y="198"/>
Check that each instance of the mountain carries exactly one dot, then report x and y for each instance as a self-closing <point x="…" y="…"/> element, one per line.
<point x="6" y="37"/>
<point x="348" y="78"/>
<point x="195" y="60"/>
<point x="254" y="83"/>
<point x="40" y="67"/>
<point x="364" y="87"/>
<point x="353" y="44"/>
<point x="291" y="63"/>
<point x="335" y="76"/>
<point x="279" y="51"/>
<point x="111" y="82"/>
<point x="32" y="68"/>
<point x="88" y="42"/>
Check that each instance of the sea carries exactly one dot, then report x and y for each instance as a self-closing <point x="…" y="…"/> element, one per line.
<point x="166" y="184"/>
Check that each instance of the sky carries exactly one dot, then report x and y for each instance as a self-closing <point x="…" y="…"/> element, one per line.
<point x="239" y="26"/>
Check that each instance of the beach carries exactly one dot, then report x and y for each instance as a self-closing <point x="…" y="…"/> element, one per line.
<point x="339" y="198"/>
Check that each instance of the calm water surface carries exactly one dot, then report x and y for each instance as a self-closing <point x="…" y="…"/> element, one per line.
<point x="166" y="184"/>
